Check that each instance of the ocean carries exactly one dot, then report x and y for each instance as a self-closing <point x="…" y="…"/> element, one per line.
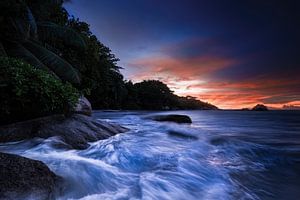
<point x="221" y="155"/>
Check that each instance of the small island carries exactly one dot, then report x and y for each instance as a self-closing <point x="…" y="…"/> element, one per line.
<point x="257" y="107"/>
<point x="260" y="107"/>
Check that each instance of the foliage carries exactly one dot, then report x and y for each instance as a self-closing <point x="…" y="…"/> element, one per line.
<point x="101" y="79"/>
<point x="131" y="101"/>
<point x="19" y="36"/>
<point x="27" y="92"/>
<point x="191" y="103"/>
<point x="50" y="31"/>
<point x="155" y="95"/>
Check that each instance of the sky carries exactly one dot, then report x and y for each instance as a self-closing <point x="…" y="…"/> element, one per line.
<point x="233" y="53"/>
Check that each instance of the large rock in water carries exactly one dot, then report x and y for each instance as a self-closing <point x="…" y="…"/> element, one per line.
<point x="74" y="131"/>
<point x="22" y="178"/>
<point x="172" y="118"/>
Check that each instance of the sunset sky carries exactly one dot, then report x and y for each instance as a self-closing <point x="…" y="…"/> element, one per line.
<point x="233" y="54"/>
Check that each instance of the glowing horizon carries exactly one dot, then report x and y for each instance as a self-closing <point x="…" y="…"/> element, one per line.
<point x="231" y="55"/>
<point x="184" y="88"/>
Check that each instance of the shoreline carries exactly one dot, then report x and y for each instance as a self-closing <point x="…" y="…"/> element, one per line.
<point x="74" y="132"/>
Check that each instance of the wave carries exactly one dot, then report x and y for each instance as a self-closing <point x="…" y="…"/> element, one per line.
<point x="168" y="161"/>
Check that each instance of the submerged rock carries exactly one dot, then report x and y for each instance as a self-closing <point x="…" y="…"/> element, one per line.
<point x="23" y="178"/>
<point x="172" y="118"/>
<point x="182" y="135"/>
<point x="74" y="131"/>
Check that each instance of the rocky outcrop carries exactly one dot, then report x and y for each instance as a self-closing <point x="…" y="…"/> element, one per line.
<point x="83" y="106"/>
<point x="260" y="107"/>
<point x="23" y="178"/>
<point x="172" y="118"/>
<point x="74" y="131"/>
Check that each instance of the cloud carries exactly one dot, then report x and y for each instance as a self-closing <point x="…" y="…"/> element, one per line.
<point x="184" y="77"/>
<point x="185" y="68"/>
<point x="232" y="55"/>
<point x="273" y="93"/>
<point x="191" y="69"/>
<point x="292" y="106"/>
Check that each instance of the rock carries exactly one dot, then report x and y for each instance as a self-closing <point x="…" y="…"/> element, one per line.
<point x="83" y="106"/>
<point x="172" y="118"/>
<point x="74" y="131"/>
<point x="260" y="107"/>
<point x="23" y="178"/>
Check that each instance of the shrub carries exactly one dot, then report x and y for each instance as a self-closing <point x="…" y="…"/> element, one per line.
<point x="27" y="92"/>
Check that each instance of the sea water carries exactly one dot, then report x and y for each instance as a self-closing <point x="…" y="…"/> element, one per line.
<point x="221" y="155"/>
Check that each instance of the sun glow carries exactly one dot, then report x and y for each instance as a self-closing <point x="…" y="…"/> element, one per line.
<point x="185" y="87"/>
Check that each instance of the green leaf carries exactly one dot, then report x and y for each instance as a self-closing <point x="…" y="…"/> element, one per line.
<point x="50" y="31"/>
<point x="59" y="66"/>
<point x="27" y="92"/>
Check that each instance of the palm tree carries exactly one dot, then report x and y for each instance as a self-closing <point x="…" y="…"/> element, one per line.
<point x="20" y="36"/>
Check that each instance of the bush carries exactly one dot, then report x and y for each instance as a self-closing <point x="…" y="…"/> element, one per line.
<point x="27" y="92"/>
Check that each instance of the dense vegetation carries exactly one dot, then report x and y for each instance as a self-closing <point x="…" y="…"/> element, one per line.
<point x="155" y="95"/>
<point x="41" y="33"/>
<point x="27" y="92"/>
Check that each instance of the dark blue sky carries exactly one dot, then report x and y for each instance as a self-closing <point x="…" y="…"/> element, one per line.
<point x="231" y="53"/>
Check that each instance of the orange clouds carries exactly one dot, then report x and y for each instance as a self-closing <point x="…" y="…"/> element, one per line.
<point x="194" y="75"/>
<point x="184" y="68"/>
<point x="273" y="93"/>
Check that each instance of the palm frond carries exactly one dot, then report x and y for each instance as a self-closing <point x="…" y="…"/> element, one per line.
<point x="31" y="21"/>
<point x="2" y="50"/>
<point x="18" y="30"/>
<point x="59" y="66"/>
<point x="50" y="31"/>
<point x="17" y="50"/>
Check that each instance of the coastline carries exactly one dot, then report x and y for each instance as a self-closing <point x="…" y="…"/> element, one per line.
<point x="73" y="132"/>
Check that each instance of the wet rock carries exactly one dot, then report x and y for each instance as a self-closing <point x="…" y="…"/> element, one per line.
<point x="83" y="106"/>
<point x="172" y="118"/>
<point x="23" y="178"/>
<point x="74" y="131"/>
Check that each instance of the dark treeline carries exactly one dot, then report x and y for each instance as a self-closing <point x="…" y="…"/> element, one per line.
<point x="155" y="95"/>
<point x="43" y="34"/>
